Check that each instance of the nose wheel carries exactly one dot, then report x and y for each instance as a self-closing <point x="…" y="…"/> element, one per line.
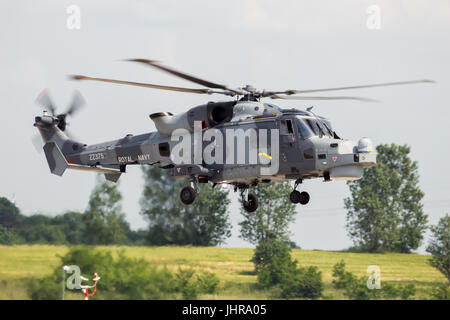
<point x="297" y="196"/>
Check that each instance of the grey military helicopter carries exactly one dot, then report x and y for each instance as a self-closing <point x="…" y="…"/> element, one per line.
<point x="297" y="144"/>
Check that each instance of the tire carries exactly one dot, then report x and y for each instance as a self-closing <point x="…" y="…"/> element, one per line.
<point x="251" y="204"/>
<point x="304" y="197"/>
<point x="295" y="196"/>
<point x="187" y="195"/>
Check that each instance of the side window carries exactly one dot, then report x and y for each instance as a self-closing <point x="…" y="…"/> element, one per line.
<point x="290" y="129"/>
<point x="164" y="149"/>
<point x="287" y="131"/>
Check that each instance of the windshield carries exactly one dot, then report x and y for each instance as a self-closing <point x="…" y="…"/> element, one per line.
<point x="327" y="125"/>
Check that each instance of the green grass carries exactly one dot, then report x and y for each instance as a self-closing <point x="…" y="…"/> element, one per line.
<point x="231" y="265"/>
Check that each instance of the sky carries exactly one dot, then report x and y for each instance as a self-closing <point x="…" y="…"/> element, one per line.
<point x="274" y="45"/>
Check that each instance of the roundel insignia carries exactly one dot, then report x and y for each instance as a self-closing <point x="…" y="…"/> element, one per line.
<point x="334" y="158"/>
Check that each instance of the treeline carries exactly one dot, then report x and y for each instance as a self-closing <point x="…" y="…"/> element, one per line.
<point x="204" y="223"/>
<point x="67" y="228"/>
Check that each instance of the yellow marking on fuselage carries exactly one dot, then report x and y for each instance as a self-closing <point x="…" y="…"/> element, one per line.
<point x="264" y="154"/>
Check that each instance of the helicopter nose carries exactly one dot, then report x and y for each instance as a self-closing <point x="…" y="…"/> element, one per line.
<point x="344" y="159"/>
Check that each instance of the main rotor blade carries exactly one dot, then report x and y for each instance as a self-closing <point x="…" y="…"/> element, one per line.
<point x="45" y="101"/>
<point x="145" y="85"/>
<point x="322" y="98"/>
<point x="289" y="92"/>
<point x="183" y="75"/>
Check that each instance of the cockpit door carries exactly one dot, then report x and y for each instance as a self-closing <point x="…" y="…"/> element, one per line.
<point x="289" y="148"/>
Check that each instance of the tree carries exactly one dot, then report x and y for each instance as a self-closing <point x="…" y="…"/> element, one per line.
<point x="439" y="246"/>
<point x="10" y="216"/>
<point x="271" y="219"/>
<point x="105" y="223"/>
<point x="385" y="210"/>
<point x="203" y="223"/>
<point x="43" y="234"/>
<point x="9" y="236"/>
<point x="273" y="262"/>
<point x="72" y="225"/>
<point x="275" y="266"/>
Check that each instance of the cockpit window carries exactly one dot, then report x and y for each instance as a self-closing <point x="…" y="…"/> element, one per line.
<point x="303" y="129"/>
<point x="327" y="125"/>
<point x="313" y="127"/>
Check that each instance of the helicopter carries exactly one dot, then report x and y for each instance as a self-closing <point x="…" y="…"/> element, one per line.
<point x="240" y="142"/>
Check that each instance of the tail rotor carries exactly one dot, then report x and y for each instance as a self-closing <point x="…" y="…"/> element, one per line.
<point x="45" y="101"/>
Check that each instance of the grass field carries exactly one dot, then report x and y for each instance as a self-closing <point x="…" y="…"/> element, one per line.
<point x="231" y="265"/>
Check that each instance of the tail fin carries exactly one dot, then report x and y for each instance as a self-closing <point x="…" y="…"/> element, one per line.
<point x="55" y="159"/>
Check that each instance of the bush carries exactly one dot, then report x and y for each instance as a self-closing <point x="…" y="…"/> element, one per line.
<point x="191" y="285"/>
<point x="275" y="266"/>
<point x="441" y="292"/>
<point x="186" y="284"/>
<point x="123" y="277"/>
<point x="356" y="288"/>
<point x="303" y="283"/>
<point x="44" y="289"/>
<point x="208" y="282"/>
<point x="273" y="262"/>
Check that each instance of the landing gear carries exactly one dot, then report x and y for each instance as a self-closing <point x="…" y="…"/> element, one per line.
<point x="188" y="194"/>
<point x="297" y="196"/>
<point x="249" y="200"/>
<point x="304" y="197"/>
<point x="251" y="204"/>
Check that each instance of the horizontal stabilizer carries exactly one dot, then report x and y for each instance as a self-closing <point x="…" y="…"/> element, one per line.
<point x="58" y="163"/>
<point x="113" y="177"/>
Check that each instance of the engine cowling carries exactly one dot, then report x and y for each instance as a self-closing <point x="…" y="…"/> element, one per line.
<point x="210" y="114"/>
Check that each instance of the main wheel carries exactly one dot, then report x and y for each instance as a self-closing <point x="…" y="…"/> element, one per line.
<point x="251" y="204"/>
<point x="187" y="195"/>
<point x="295" y="196"/>
<point x="304" y="197"/>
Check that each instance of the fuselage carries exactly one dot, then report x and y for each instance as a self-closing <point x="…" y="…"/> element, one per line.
<point x="254" y="142"/>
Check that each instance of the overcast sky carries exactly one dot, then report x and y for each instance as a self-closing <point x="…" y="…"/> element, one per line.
<point x="269" y="44"/>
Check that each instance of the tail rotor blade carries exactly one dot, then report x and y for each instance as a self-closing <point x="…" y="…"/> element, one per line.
<point x="45" y="101"/>
<point x="77" y="102"/>
<point x="36" y="140"/>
